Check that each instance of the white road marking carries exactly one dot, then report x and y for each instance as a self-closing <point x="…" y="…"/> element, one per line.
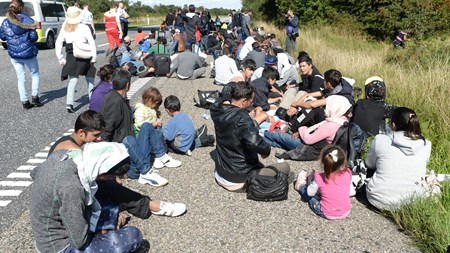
<point x="47" y="148"/>
<point x="13" y="193"/>
<point x="26" y="167"/>
<point x="41" y="154"/>
<point x="15" y="183"/>
<point x="19" y="175"/>
<point x="34" y="160"/>
<point x="4" y="202"/>
<point x="102" y="45"/>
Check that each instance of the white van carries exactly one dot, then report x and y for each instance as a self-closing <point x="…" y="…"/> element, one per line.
<point x="50" y="16"/>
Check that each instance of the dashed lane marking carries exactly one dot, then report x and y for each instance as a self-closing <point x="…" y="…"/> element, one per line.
<point x="23" y="172"/>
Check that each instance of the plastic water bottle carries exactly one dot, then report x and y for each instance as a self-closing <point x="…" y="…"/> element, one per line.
<point x="205" y="116"/>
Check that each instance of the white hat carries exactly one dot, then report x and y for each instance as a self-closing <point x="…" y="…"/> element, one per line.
<point x="373" y="78"/>
<point x="73" y="15"/>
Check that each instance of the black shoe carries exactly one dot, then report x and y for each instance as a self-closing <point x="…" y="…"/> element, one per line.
<point x="202" y="131"/>
<point x="27" y="105"/>
<point x="70" y="109"/>
<point x="208" y="141"/>
<point x="36" y="102"/>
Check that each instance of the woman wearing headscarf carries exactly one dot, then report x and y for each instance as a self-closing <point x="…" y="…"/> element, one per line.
<point x="73" y="66"/>
<point x="65" y="215"/>
<point x="336" y="112"/>
<point x="19" y="32"/>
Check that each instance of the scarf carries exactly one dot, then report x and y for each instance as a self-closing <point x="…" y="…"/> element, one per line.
<point x="336" y="108"/>
<point x="95" y="159"/>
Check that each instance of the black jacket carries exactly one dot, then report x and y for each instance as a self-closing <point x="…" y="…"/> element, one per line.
<point x="312" y="83"/>
<point x="238" y="142"/>
<point x="262" y="89"/>
<point x="116" y="112"/>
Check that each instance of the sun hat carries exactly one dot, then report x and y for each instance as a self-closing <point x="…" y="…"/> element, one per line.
<point x="271" y="60"/>
<point x="73" y="15"/>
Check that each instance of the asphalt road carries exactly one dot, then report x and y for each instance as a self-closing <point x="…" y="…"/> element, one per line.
<point x="216" y="221"/>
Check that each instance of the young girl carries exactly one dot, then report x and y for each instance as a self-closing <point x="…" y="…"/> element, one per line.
<point x="148" y="110"/>
<point x="328" y="194"/>
<point x="399" y="159"/>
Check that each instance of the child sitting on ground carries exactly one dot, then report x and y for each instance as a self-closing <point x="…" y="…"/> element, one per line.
<point x="148" y="109"/>
<point x="328" y="193"/>
<point x="179" y="132"/>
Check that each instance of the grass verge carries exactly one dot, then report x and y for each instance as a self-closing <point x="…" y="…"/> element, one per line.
<point x="416" y="77"/>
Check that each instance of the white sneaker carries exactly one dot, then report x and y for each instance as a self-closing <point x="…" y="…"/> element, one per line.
<point x="170" y="209"/>
<point x="301" y="180"/>
<point x="166" y="161"/>
<point x="153" y="179"/>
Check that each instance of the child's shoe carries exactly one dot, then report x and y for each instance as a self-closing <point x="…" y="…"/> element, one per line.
<point x="301" y="180"/>
<point x="166" y="161"/>
<point x="170" y="209"/>
<point x="153" y="179"/>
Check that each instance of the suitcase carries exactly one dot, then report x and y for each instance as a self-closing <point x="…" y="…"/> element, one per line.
<point x="162" y="63"/>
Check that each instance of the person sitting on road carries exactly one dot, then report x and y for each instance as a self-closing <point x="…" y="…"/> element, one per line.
<point x="328" y="192"/>
<point x="257" y="55"/>
<point x="238" y="142"/>
<point x="148" y="109"/>
<point x="248" y="66"/>
<point x="102" y="88"/>
<point x="288" y="72"/>
<point x="125" y="53"/>
<point x="269" y="61"/>
<point x="72" y="222"/>
<point x="118" y="117"/>
<point x="263" y="86"/>
<point x="398" y="160"/>
<point x="179" y="132"/>
<point x="225" y="67"/>
<point x="371" y="112"/>
<point x="187" y="65"/>
<point x="159" y="48"/>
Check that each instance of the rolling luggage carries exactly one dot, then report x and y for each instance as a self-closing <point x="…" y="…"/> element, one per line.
<point x="162" y="63"/>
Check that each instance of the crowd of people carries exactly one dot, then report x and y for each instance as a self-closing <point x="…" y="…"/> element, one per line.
<point x="77" y="201"/>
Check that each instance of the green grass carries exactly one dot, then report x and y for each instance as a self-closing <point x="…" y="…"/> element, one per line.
<point x="417" y="77"/>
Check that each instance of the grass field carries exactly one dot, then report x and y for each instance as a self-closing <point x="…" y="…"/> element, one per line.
<point x="417" y="77"/>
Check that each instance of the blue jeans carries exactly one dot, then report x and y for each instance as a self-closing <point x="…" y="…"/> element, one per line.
<point x="19" y="66"/>
<point x="195" y="46"/>
<point x="281" y="140"/>
<point x="149" y="141"/>
<point x="314" y="202"/>
<point x="73" y="80"/>
<point x="126" y="57"/>
<point x="126" y="239"/>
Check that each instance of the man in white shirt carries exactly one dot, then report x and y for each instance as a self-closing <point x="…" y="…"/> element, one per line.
<point x="225" y="67"/>
<point x="88" y="18"/>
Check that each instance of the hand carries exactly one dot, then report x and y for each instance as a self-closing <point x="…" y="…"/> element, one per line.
<point x="157" y="124"/>
<point x="295" y="135"/>
<point x="292" y="110"/>
<point x="92" y="62"/>
<point x="62" y="62"/>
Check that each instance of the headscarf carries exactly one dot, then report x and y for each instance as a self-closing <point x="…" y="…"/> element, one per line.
<point x="95" y="159"/>
<point x="336" y="107"/>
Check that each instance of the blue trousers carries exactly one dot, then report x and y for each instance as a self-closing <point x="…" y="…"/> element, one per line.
<point x="281" y="140"/>
<point x="314" y="202"/>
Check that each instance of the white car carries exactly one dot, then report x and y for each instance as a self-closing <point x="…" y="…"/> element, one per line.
<point x="50" y="16"/>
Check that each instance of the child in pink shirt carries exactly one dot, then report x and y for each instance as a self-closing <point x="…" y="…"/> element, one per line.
<point x="328" y="193"/>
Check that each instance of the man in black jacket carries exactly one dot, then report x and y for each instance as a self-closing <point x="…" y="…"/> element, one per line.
<point x="238" y="140"/>
<point x="193" y="22"/>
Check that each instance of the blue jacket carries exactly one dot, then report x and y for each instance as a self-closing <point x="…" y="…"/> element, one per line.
<point x="20" y="36"/>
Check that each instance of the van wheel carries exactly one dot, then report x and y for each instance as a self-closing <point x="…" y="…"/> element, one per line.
<point x="50" y="41"/>
<point x="4" y="45"/>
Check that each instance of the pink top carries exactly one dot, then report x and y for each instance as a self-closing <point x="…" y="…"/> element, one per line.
<point x="325" y="131"/>
<point x="335" y="200"/>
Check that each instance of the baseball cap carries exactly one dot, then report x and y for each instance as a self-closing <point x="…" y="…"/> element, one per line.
<point x="127" y="39"/>
<point x="271" y="60"/>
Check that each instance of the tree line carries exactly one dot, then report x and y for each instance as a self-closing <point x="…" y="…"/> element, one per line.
<point x="381" y="19"/>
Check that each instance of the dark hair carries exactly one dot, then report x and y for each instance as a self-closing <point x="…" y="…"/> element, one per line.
<point x="90" y="121"/>
<point x="249" y="63"/>
<point x="106" y="72"/>
<point x="120" y="79"/>
<point x="242" y="90"/>
<point x="120" y="169"/>
<point x="191" y="8"/>
<point x="406" y="119"/>
<point x="328" y="155"/>
<point x="255" y="45"/>
<point x="273" y="36"/>
<point x="139" y="30"/>
<point x="172" y="103"/>
<point x="302" y="54"/>
<point x="306" y="59"/>
<point x="188" y="47"/>
<point x="226" y="51"/>
<point x="15" y="8"/>
<point x="153" y="95"/>
<point x="269" y="72"/>
<point x="333" y="76"/>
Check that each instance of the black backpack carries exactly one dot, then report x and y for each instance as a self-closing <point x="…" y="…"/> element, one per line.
<point x="352" y="140"/>
<point x="111" y="57"/>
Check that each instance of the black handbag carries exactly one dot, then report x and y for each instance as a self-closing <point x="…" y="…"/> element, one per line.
<point x="267" y="188"/>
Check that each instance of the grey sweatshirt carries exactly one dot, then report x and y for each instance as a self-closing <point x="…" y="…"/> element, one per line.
<point x="58" y="214"/>
<point x="185" y="64"/>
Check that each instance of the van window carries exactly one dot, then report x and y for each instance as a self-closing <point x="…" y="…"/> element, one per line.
<point x="28" y="8"/>
<point x="60" y="11"/>
<point x="47" y="10"/>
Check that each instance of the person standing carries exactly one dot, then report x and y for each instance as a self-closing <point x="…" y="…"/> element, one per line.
<point x="246" y="24"/>
<point x="178" y="22"/>
<point x="19" y="32"/>
<point x="291" y="22"/>
<point x="72" y="32"/>
<point x="88" y="19"/>
<point x="124" y="21"/>
<point x="193" y="24"/>
<point x="113" y="29"/>
<point x="170" y="18"/>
